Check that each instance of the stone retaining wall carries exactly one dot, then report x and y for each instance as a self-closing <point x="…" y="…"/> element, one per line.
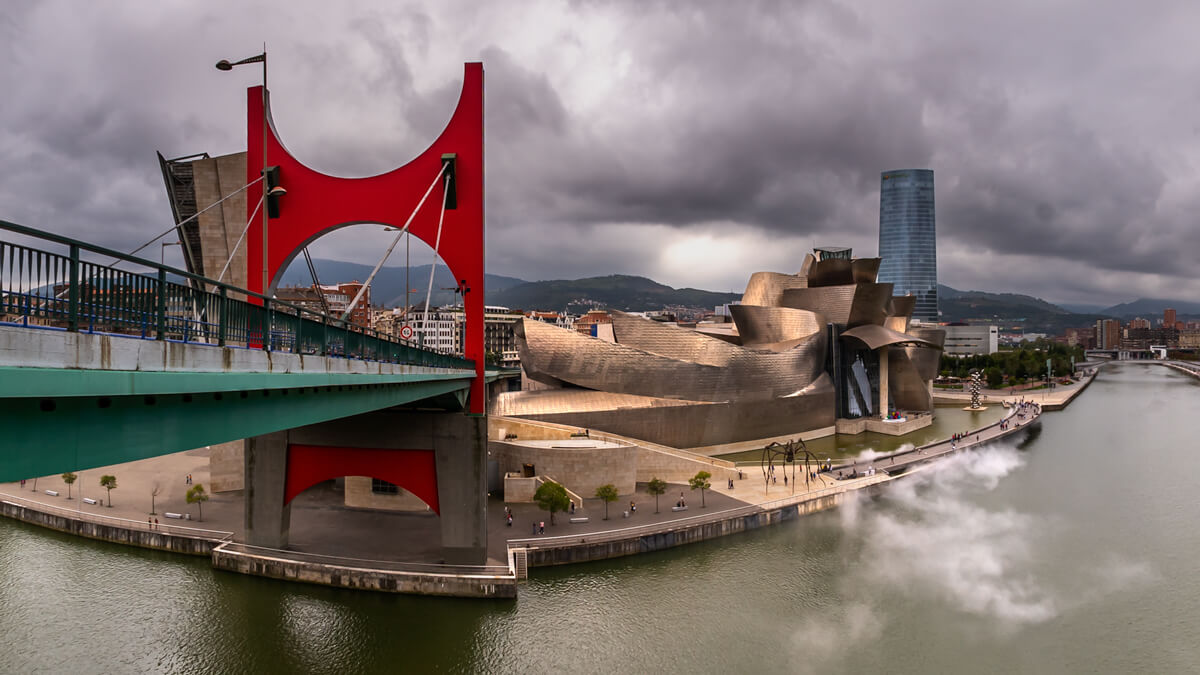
<point x="542" y="556"/>
<point x="118" y="535"/>
<point x="365" y="579"/>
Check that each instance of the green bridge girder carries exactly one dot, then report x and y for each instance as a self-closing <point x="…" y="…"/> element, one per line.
<point x="58" y="420"/>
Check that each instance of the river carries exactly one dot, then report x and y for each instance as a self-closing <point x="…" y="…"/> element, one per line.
<point x="1073" y="553"/>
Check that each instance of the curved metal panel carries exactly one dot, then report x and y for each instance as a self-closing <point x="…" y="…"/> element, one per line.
<point x="865" y="270"/>
<point x="902" y="305"/>
<point x="767" y="288"/>
<point x="830" y="272"/>
<point x="831" y="302"/>
<point x="927" y="361"/>
<point x="760" y="325"/>
<point x="907" y="389"/>
<point x="878" y="336"/>
<point x="744" y="374"/>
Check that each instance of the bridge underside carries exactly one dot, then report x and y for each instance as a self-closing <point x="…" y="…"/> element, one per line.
<point x="72" y="433"/>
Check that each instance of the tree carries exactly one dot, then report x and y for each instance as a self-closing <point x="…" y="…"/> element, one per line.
<point x="608" y="493"/>
<point x="69" y="478"/>
<point x="108" y="483"/>
<point x="196" y="495"/>
<point x="154" y="493"/>
<point x="657" y="488"/>
<point x="700" y="482"/>
<point x="552" y="497"/>
<point x="994" y="377"/>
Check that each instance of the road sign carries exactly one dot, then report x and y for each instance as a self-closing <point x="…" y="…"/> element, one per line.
<point x="406" y="332"/>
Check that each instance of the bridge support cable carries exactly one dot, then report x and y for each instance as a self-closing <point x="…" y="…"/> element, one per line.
<point x="395" y="241"/>
<point x="436" y="244"/>
<point x="239" y="241"/>
<point x="181" y="223"/>
<point x="312" y="270"/>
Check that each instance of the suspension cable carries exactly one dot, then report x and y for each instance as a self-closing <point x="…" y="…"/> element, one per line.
<point x="316" y="282"/>
<point x="395" y="241"/>
<point x="181" y="223"/>
<point x="239" y="241"/>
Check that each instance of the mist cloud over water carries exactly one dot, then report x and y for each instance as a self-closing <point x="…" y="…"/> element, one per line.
<point x="933" y="538"/>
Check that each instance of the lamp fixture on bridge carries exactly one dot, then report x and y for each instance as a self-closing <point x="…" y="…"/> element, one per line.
<point x="226" y="65"/>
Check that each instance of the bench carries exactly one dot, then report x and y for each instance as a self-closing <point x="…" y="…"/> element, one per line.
<point x="52" y="493"/>
<point x="178" y="516"/>
<point x="581" y="519"/>
<point x="679" y="508"/>
<point x="89" y="500"/>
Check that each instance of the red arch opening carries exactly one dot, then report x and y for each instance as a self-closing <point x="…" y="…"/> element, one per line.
<point x="316" y="203"/>
<point x="413" y="470"/>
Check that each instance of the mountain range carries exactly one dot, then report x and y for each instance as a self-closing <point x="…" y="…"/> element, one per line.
<point x="634" y="293"/>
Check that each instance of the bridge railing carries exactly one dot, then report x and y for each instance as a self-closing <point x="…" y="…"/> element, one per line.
<point x="63" y="290"/>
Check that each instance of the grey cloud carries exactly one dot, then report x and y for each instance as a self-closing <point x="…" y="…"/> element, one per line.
<point x="1054" y="130"/>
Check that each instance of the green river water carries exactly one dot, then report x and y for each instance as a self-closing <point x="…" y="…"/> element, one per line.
<point x="1076" y="552"/>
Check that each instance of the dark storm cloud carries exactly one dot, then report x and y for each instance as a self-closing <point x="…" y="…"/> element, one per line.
<point x="691" y="142"/>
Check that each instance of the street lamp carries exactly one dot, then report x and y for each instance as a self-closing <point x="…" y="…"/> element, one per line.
<point x="226" y="65"/>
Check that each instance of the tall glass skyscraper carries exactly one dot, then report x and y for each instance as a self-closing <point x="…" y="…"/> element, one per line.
<point x="908" y="238"/>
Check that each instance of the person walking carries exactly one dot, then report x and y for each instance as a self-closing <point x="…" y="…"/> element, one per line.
<point x="542" y="527"/>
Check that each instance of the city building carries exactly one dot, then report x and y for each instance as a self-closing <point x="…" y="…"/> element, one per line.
<point x="1108" y="334"/>
<point x="1169" y="318"/>
<point x="964" y="340"/>
<point x="332" y="299"/>
<point x="1139" y="322"/>
<point x="586" y="323"/>
<point x="829" y="348"/>
<point x="908" y="238"/>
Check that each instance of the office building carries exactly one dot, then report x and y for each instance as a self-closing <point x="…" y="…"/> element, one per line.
<point x="965" y="340"/>
<point x="908" y="238"/>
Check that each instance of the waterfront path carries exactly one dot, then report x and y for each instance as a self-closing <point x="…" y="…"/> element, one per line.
<point x="1050" y="399"/>
<point x="754" y="494"/>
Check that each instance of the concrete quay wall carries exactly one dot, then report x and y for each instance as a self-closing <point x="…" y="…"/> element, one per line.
<point x="585" y="551"/>
<point x="156" y="539"/>
<point x="389" y="581"/>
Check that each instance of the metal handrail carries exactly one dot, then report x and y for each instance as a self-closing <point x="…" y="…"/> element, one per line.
<point x="80" y="514"/>
<point x="96" y="298"/>
<point x="364" y="563"/>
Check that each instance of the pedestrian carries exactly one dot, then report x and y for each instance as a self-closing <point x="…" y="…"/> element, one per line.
<point x="785" y="480"/>
<point x="542" y="527"/>
<point x="535" y="527"/>
<point x="509" y="520"/>
<point x="156" y="523"/>
<point x="572" y="507"/>
<point x="632" y="507"/>
<point x="149" y="524"/>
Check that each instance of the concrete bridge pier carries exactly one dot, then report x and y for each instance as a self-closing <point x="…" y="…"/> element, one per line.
<point x="439" y="456"/>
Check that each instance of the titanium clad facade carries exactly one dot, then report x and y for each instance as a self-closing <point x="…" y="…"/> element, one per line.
<point x="908" y="238"/>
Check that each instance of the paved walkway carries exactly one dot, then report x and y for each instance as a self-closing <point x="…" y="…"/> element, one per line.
<point x="1052" y="399"/>
<point x="321" y="523"/>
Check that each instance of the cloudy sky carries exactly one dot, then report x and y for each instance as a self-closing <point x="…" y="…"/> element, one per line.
<point x="691" y="142"/>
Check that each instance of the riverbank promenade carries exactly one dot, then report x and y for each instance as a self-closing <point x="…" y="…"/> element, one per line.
<point x="751" y="502"/>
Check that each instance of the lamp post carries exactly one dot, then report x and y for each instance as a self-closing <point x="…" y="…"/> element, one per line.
<point x="226" y="65"/>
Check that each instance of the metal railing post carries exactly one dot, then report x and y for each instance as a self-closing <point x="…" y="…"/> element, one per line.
<point x="73" y="291"/>
<point x="222" y="318"/>
<point x="161" y="318"/>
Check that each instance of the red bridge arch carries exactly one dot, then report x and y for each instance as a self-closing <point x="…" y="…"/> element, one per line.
<point x="413" y="470"/>
<point x="317" y="203"/>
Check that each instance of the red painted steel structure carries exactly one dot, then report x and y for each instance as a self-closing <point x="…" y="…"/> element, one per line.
<point x="317" y="203"/>
<point x="413" y="470"/>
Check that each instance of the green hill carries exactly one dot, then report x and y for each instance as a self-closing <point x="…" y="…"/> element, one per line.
<point x="629" y="293"/>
